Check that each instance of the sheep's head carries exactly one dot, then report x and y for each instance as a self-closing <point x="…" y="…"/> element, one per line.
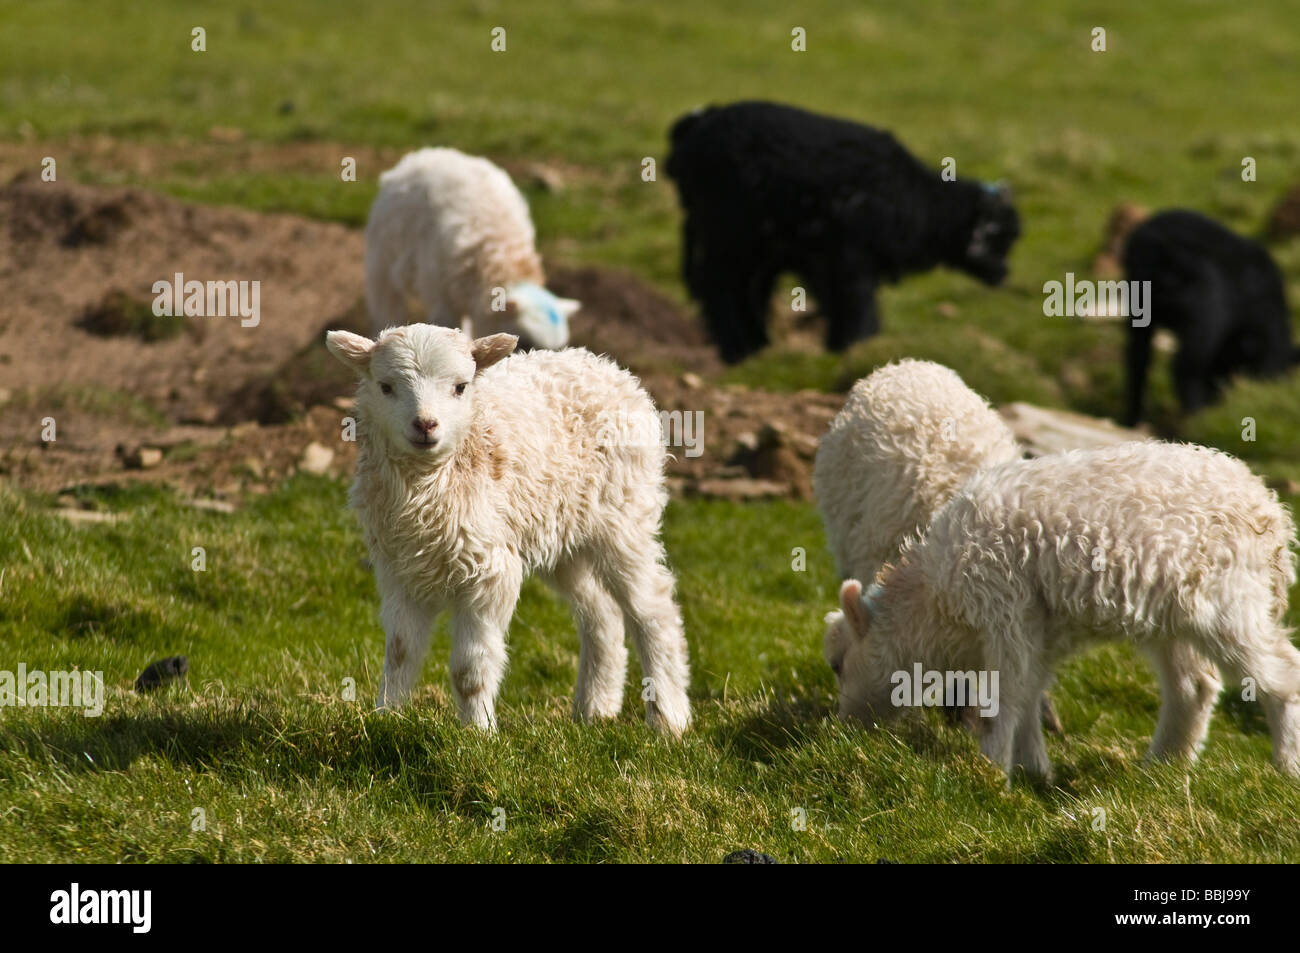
<point x="855" y="655"/>
<point x="994" y="230"/>
<point x="417" y="383"/>
<point x="540" y="318"/>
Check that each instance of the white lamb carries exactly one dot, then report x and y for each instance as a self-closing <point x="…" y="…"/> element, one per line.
<point x="1179" y="548"/>
<point x="908" y="436"/>
<point x="452" y="233"/>
<point x="476" y="471"/>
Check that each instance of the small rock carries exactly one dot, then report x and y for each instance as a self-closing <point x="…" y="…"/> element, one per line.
<point x="256" y="469"/>
<point x="203" y="412"/>
<point x="162" y="672"/>
<point x="316" y="458"/>
<point x="344" y="403"/>
<point x="748" y="441"/>
<point x="89" y="516"/>
<point x="692" y="380"/>
<point x="946" y="309"/>
<point x="214" y="506"/>
<point x="225" y="134"/>
<point x="143" y="458"/>
<point x="748" y="856"/>
<point x="742" y="489"/>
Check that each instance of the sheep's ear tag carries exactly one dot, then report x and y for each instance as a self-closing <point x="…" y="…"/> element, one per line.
<point x="856" y="609"/>
<point x="487" y="351"/>
<point x="352" y="349"/>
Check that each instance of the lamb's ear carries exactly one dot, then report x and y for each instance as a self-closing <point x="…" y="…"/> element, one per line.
<point x="855" y="607"/>
<point x="487" y="351"/>
<point x="567" y="306"/>
<point x="352" y="349"/>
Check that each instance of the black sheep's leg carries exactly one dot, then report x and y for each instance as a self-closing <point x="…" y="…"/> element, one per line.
<point x="738" y="327"/>
<point x="1137" y="359"/>
<point x="1194" y="375"/>
<point x="850" y="306"/>
<point x="719" y="274"/>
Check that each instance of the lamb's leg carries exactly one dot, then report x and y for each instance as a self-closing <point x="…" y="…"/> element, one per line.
<point x="1016" y="658"/>
<point x="478" y="647"/>
<point x="602" y="658"/>
<point x="998" y="740"/>
<point x="1253" y="644"/>
<point x="643" y="588"/>
<point x="1189" y="687"/>
<point x="1030" y="750"/>
<point x="723" y="278"/>
<point x="850" y="306"/>
<point x="408" y="628"/>
<point x="386" y="304"/>
<point x="1284" y="725"/>
<point x="1277" y="674"/>
<point x="1137" y="360"/>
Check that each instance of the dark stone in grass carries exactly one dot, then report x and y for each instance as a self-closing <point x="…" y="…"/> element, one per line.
<point x="162" y="672"/>
<point x="748" y="856"/>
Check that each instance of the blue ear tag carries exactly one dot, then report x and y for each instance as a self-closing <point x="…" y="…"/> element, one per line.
<point x="990" y="187"/>
<point x="553" y="314"/>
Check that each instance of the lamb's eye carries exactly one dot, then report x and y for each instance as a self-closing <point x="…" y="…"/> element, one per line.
<point x="386" y="388"/>
<point x="460" y="388"/>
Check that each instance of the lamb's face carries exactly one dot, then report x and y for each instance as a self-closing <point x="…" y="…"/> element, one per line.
<point x="854" y="656"/>
<point x="996" y="228"/>
<point x="417" y="383"/>
<point x="540" y="318"/>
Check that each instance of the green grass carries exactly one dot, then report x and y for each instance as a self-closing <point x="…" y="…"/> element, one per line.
<point x="1009" y="90"/>
<point x="262" y="738"/>
<point x="285" y="768"/>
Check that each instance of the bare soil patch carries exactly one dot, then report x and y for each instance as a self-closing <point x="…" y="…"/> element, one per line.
<point x="233" y="409"/>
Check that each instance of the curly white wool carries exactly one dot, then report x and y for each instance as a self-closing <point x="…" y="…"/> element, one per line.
<point x="473" y="474"/>
<point x="453" y="233"/>
<point x="1177" y="547"/>
<point x="908" y="436"/>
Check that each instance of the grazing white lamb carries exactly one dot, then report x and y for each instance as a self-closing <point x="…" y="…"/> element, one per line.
<point x="1176" y="547"/>
<point x="452" y="232"/>
<point x="908" y="436"/>
<point x="477" y="469"/>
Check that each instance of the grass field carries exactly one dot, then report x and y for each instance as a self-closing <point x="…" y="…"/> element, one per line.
<point x="263" y="740"/>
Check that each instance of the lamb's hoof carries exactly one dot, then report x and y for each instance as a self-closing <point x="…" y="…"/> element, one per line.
<point x="672" y="722"/>
<point x="748" y="856"/>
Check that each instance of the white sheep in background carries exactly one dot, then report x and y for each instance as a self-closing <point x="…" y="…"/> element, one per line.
<point x="476" y="471"/>
<point x="452" y="233"/>
<point x="1179" y="548"/>
<point x="908" y="436"/>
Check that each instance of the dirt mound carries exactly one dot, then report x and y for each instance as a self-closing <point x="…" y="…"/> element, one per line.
<point x="229" y="402"/>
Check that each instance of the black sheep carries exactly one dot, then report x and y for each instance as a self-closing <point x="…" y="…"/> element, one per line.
<point x="769" y="188"/>
<point x="1220" y="294"/>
